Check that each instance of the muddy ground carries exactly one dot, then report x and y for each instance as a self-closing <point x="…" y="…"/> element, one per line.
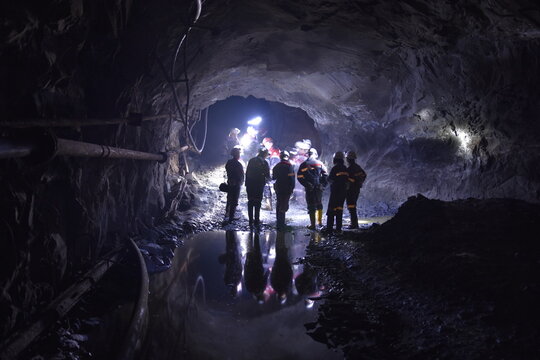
<point x="440" y="280"/>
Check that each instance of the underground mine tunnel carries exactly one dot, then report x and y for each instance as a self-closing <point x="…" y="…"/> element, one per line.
<point x="113" y="143"/>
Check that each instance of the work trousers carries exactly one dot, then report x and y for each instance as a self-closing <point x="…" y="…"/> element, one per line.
<point x="255" y="194"/>
<point x="282" y="201"/>
<point x="232" y="200"/>
<point x="335" y="208"/>
<point x="314" y="199"/>
<point x="352" y="199"/>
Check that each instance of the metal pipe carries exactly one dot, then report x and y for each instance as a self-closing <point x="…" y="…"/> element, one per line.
<point x="136" y="332"/>
<point x="30" y="123"/>
<point x="12" y="149"/>
<point x="47" y="146"/>
<point x="83" y="149"/>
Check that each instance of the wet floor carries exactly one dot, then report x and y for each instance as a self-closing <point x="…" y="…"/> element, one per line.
<point x="236" y="295"/>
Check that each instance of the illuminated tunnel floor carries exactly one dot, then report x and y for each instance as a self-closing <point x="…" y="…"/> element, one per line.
<point x="202" y="309"/>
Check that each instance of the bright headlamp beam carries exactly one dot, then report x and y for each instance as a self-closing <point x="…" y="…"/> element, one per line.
<point x="255" y="121"/>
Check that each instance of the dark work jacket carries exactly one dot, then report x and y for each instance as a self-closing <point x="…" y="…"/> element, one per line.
<point x="312" y="174"/>
<point x="339" y="177"/>
<point x="283" y="173"/>
<point x="235" y="172"/>
<point x="357" y="176"/>
<point x="257" y="172"/>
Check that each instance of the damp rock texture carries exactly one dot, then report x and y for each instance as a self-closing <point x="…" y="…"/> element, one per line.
<point x="447" y="280"/>
<point x="437" y="97"/>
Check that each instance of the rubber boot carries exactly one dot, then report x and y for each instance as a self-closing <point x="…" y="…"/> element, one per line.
<point x="329" y="223"/>
<point x="257" y="215"/>
<point x="339" y="220"/>
<point x="312" y="220"/>
<point x="227" y="210"/>
<point x="319" y="217"/>
<point x="280" y="220"/>
<point x="354" y="219"/>
<point x="250" y="214"/>
<point x="231" y="213"/>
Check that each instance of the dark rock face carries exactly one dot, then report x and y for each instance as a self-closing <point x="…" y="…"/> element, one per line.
<point x="439" y="98"/>
<point x="439" y="280"/>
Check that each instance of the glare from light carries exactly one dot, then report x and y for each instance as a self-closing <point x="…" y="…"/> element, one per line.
<point x="252" y="131"/>
<point x="239" y="288"/>
<point x="464" y="138"/>
<point x="255" y="121"/>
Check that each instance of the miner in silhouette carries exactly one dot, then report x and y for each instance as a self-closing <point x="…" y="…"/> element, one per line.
<point x="232" y="140"/>
<point x="255" y="277"/>
<point x="338" y="179"/>
<point x="282" y="273"/>
<point x="357" y="176"/>
<point x="284" y="175"/>
<point x="235" y="179"/>
<point x="233" y="263"/>
<point x="257" y="175"/>
<point x="312" y="175"/>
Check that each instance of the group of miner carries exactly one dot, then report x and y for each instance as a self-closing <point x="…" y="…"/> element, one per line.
<point x="345" y="180"/>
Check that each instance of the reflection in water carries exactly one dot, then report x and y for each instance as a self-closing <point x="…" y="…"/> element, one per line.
<point x="282" y="272"/>
<point x="255" y="276"/>
<point x="192" y="313"/>
<point x="233" y="263"/>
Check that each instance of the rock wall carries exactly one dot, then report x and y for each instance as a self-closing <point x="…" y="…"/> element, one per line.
<point x="436" y="97"/>
<point x="74" y="60"/>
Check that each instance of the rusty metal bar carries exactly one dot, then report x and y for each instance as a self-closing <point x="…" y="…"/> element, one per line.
<point x="83" y="149"/>
<point x="30" y="123"/>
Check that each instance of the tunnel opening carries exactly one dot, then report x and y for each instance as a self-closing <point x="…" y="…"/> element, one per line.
<point x="437" y="99"/>
<point x="284" y="124"/>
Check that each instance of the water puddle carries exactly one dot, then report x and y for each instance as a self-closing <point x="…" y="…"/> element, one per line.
<point x="236" y="295"/>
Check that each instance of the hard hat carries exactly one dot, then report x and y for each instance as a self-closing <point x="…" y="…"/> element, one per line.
<point x="302" y="145"/>
<point x="284" y="155"/>
<point x="351" y="155"/>
<point x="268" y="140"/>
<point x="339" y="155"/>
<point x="236" y="149"/>
<point x="235" y="131"/>
<point x="313" y="152"/>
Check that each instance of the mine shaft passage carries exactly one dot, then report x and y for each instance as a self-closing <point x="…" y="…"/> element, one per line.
<point x="236" y="295"/>
<point x="255" y="120"/>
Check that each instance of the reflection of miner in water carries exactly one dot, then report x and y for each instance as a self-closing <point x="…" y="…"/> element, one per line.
<point x="255" y="277"/>
<point x="282" y="273"/>
<point x="307" y="283"/>
<point x="232" y="261"/>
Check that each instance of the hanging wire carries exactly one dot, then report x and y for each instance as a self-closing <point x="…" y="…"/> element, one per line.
<point x="205" y="131"/>
<point x="184" y="114"/>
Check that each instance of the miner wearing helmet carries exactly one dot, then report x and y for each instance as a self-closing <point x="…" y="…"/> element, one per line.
<point x="232" y="140"/>
<point x="284" y="175"/>
<point x="235" y="179"/>
<point x="312" y="175"/>
<point x="257" y="175"/>
<point x="338" y="179"/>
<point x="357" y="176"/>
<point x="273" y="152"/>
